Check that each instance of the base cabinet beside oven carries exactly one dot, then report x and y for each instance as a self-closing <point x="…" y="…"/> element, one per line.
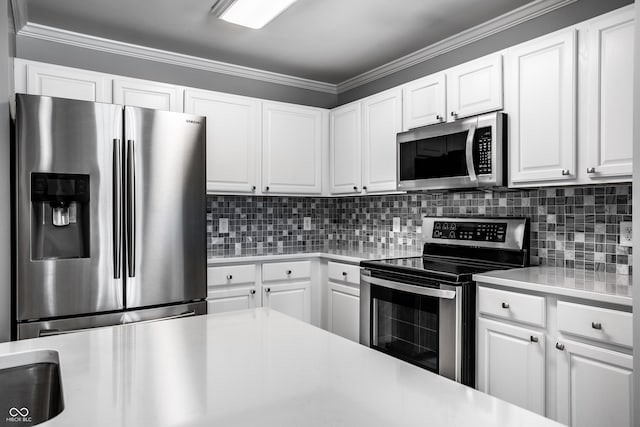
<point x="343" y="300"/>
<point x="565" y="358"/>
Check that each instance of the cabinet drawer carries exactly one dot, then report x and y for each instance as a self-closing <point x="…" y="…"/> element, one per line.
<point x="512" y="305"/>
<point x="601" y="324"/>
<point x="231" y="275"/>
<point x="286" y="271"/>
<point x="344" y="273"/>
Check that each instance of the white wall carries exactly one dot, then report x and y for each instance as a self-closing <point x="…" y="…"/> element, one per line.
<point x="5" y="177"/>
<point x="636" y="226"/>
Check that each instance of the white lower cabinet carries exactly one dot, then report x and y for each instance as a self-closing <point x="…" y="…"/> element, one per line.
<point x="241" y="298"/>
<point x="344" y="311"/>
<point x="292" y="299"/>
<point x="594" y="386"/>
<point x="583" y="378"/>
<point x="511" y="364"/>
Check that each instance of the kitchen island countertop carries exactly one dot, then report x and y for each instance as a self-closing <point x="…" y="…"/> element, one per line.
<point x="253" y="368"/>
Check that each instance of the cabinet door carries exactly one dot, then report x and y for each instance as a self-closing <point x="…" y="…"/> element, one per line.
<point x="594" y="386"/>
<point x="232" y="139"/>
<point x="382" y="121"/>
<point x="345" y="147"/>
<point x="511" y="364"/>
<point x="424" y="102"/>
<point x="63" y="82"/>
<point x="223" y="300"/>
<point x="475" y="87"/>
<point x="141" y="93"/>
<point x="610" y="96"/>
<point x="292" y="149"/>
<point x="344" y="311"/>
<point x="292" y="299"/>
<point x="541" y="103"/>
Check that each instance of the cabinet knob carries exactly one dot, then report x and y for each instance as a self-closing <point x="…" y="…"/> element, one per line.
<point x="533" y="339"/>
<point x="438" y="117"/>
<point x="267" y="290"/>
<point x="505" y="305"/>
<point x="591" y="170"/>
<point x="355" y="188"/>
<point x="344" y="273"/>
<point x="454" y="114"/>
<point x="560" y="346"/>
<point x="596" y="325"/>
<point x="364" y="188"/>
<point x="229" y="277"/>
<point x="266" y="188"/>
<point x="253" y="188"/>
<point x="566" y="172"/>
<point x="252" y="292"/>
<point x="288" y="272"/>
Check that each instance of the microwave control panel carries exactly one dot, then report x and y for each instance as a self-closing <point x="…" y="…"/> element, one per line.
<point x="482" y="150"/>
<point x="474" y="231"/>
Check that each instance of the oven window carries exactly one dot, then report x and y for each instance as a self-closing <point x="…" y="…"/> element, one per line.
<point x="405" y="325"/>
<point x="437" y="157"/>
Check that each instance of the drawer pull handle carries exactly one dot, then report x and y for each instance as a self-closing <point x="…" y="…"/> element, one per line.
<point x="566" y="172"/>
<point x="288" y="272"/>
<point x="267" y="290"/>
<point x="533" y="339"/>
<point x="344" y="273"/>
<point x="229" y="277"/>
<point x="560" y="346"/>
<point x="505" y="305"/>
<point x="355" y="188"/>
<point x="596" y="325"/>
<point x="252" y="292"/>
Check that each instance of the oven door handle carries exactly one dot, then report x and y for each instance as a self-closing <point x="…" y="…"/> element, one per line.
<point x="469" y="154"/>
<point x="429" y="292"/>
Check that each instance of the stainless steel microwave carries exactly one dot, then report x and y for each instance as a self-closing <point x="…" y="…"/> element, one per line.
<point x="466" y="153"/>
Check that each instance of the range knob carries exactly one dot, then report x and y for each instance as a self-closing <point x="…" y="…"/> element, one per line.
<point x="452" y="235"/>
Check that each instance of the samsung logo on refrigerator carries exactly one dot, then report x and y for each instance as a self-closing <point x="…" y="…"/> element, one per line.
<point x="194" y="122"/>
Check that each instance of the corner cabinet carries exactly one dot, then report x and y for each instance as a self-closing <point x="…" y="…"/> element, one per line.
<point x="292" y="142"/>
<point x="382" y="120"/>
<point x="345" y="149"/>
<point x="610" y="106"/>
<point x="233" y="139"/>
<point x="541" y="102"/>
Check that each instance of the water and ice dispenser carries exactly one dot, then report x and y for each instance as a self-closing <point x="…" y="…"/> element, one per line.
<point x="60" y="221"/>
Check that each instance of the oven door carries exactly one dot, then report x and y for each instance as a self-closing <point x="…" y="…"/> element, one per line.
<point x="418" y="324"/>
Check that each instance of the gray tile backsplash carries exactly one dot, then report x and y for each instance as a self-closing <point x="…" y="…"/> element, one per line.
<point x="575" y="227"/>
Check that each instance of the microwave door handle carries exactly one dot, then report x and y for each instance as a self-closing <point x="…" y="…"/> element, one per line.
<point x="469" y="154"/>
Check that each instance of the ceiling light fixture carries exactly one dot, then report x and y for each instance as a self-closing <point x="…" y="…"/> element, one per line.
<point x="249" y="13"/>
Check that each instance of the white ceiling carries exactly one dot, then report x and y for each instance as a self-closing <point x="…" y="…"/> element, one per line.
<point x="325" y="40"/>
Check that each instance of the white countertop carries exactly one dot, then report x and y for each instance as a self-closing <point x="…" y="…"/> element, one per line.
<point x="596" y="286"/>
<point x="253" y="368"/>
<point x="341" y="255"/>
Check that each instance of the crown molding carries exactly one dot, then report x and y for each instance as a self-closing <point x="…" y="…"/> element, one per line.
<point x="496" y="25"/>
<point x="57" y="35"/>
<point x="486" y="29"/>
<point x="19" y="10"/>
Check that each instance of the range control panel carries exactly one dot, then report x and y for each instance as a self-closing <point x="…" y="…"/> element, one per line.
<point x="482" y="150"/>
<point x="474" y="231"/>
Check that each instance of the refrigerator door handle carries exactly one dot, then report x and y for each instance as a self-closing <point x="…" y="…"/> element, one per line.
<point x="131" y="208"/>
<point x="117" y="208"/>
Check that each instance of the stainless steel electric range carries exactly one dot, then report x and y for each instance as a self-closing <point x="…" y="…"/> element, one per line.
<point x="422" y="309"/>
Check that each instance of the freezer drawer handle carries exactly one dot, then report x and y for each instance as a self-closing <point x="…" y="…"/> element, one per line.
<point x="117" y="207"/>
<point x="131" y="208"/>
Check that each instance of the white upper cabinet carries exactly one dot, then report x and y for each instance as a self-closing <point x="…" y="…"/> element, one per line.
<point x="610" y="91"/>
<point x="146" y="94"/>
<point x="475" y="87"/>
<point x="63" y="82"/>
<point x="292" y="144"/>
<point x="594" y="386"/>
<point x="382" y="120"/>
<point x="424" y="101"/>
<point x="541" y="103"/>
<point x="233" y="139"/>
<point x="345" y="149"/>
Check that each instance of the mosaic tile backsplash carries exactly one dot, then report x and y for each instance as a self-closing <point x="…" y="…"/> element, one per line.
<point x="575" y="227"/>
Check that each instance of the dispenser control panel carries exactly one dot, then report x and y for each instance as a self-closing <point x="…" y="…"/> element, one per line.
<point x="474" y="231"/>
<point x="58" y="188"/>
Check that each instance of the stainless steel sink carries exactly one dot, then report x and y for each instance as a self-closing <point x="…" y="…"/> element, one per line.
<point x="31" y="388"/>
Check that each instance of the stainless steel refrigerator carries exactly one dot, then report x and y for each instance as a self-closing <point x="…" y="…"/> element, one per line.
<point x="110" y="215"/>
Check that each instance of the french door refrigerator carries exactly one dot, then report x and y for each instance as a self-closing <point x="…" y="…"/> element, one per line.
<point x="110" y="215"/>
